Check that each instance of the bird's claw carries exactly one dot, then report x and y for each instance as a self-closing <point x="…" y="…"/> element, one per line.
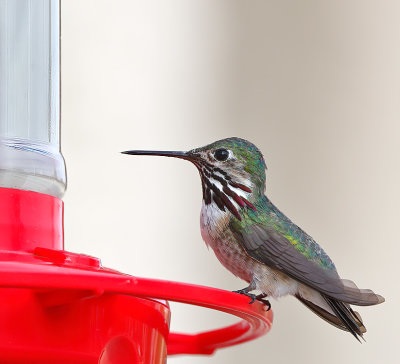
<point x="261" y="298"/>
<point x="252" y="296"/>
<point x="266" y="303"/>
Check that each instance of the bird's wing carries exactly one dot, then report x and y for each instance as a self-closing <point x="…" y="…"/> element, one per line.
<point x="271" y="248"/>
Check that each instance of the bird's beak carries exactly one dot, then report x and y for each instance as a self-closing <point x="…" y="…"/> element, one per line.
<point x="181" y="155"/>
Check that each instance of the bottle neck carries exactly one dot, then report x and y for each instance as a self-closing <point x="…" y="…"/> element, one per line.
<point x="29" y="220"/>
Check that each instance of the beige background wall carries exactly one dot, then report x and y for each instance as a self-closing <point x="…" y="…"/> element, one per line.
<point x="315" y="84"/>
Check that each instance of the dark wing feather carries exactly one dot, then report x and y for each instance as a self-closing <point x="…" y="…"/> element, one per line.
<point x="269" y="247"/>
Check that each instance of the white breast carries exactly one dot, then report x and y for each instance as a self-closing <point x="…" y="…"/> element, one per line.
<point x="212" y="219"/>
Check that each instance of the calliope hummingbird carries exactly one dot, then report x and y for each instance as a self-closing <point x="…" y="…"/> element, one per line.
<point x="254" y="240"/>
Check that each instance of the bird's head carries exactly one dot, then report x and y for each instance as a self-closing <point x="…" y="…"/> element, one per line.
<point x="232" y="171"/>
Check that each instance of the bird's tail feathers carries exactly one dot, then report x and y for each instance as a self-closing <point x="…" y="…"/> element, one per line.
<point x="338" y="314"/>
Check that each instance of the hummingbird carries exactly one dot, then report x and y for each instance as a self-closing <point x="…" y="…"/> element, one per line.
<point x="255" y="241"/>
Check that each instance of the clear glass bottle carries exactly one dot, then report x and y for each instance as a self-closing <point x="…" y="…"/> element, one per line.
<point x="30" y="156"/>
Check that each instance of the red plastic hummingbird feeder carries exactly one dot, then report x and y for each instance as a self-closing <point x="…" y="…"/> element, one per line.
<point x="63" y="307"/>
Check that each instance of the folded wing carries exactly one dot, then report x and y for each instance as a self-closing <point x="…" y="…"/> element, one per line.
<point x="269" y="247"/>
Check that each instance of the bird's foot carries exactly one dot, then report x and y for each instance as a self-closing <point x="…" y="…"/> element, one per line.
<point x="261" y="298"/>
<point x="244" y="292"/>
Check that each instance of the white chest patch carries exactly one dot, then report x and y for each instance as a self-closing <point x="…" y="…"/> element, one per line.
<point x="211" y="220"/>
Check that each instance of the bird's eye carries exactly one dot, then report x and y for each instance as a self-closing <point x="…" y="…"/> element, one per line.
<point x="221" y="154"/>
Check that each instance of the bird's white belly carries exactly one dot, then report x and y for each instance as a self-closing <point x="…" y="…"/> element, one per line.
<point x="216" y="234"/>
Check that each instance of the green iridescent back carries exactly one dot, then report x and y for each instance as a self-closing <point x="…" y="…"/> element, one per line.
<point x="268" y="215"/>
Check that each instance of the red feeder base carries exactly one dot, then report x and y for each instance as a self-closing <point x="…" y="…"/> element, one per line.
<point x="61" y="307"/>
